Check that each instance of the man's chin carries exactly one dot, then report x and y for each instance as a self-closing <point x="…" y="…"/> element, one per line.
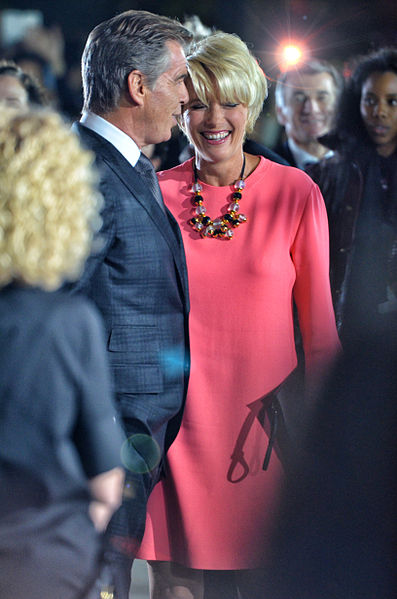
<point x="173" y="127"/>
<point x="316" y="132"/>
<point x="166" y="137"/>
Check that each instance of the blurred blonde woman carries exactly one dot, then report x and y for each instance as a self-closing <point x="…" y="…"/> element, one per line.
<point x="256" y="239"/>
<point x="59" y="440"/>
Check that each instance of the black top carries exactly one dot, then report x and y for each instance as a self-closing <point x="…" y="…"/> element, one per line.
<point x="57" y="429"/>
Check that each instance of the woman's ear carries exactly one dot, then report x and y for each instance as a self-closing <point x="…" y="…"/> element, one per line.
<point x="136" y="87"/>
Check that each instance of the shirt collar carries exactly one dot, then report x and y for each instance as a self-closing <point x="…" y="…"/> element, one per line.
<point x="120" y="140"/>
<point x="303" y="158"/>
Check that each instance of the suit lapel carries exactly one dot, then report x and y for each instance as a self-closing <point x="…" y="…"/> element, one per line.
<point x="165" y="222"/>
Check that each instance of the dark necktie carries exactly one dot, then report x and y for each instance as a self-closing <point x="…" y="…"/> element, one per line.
<point x="145" y="168"/>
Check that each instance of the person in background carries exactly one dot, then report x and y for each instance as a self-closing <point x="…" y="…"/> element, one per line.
<point x="336" y="530"/>
<point x="17" y="88"/>
<point x="256" y="237"/>
<point x="359" y="184"/>
<point x="60" y="467"/>
<point x="134" y="71"/>
<point x="41" y="54"/>
<point x="306" y="99"/>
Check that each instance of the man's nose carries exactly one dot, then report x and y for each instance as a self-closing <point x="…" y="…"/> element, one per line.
<point x="310" y="105"/>
<point x="184" y="95"/>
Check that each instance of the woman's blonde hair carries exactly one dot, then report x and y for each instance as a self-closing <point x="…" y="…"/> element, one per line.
<point x="48" y="201"/>
<point x="222" y="67"/>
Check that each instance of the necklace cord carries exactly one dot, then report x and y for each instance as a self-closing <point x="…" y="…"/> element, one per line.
<point x="221" y="227"/>
<point x="196" y="173"/>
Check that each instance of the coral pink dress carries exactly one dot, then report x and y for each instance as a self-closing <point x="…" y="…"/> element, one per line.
<point x="210" y="512"/>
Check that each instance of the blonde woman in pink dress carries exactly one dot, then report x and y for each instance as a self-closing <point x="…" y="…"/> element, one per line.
<point x="256" y="239"/>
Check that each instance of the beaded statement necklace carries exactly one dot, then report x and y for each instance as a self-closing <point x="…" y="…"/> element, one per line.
<point x="222" y="227"/>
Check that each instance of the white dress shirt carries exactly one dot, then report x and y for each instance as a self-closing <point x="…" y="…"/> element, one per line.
<point x="120" y="140"/>
<point x="303" y="158"/>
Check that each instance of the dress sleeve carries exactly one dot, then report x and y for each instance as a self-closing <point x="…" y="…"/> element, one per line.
<point x="312" y="294"/>
<point x="98" y="435"/>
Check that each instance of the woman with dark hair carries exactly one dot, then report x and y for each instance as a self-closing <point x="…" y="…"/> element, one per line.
<point x="359" y="185"/>
<point x="17" y="88"/>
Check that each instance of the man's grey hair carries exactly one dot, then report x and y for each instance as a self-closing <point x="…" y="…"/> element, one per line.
<point x="311" y="67"/>
<point x="132" y="40"/>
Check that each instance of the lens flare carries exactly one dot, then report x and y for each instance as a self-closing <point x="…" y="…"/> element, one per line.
<point x="140" y="453"/>
<point x="291" y="54"/>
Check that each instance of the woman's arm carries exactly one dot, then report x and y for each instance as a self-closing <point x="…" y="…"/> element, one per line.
<point x="312" y="292"/>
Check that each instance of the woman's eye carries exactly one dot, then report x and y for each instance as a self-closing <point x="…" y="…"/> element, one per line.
<point x="230" y="104"/>
<point x="197" y="106"/>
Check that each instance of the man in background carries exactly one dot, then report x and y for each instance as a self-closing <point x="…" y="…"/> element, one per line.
<point x="306" y="100"/>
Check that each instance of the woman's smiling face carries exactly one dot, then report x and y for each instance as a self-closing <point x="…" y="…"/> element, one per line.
<point x="216" y="129"/>
<point x="378" y="109"/>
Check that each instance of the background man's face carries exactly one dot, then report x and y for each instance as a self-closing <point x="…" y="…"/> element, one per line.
<point x="309" y="105"/>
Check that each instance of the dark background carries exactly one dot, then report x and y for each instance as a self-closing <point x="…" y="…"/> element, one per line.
<point x="334" y="29"/>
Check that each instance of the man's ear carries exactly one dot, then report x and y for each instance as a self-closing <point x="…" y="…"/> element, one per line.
<point x="280" y="115"/>
<point x="137" y="88"/>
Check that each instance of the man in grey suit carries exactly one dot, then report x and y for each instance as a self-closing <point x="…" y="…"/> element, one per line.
<point x="134" y="72"/>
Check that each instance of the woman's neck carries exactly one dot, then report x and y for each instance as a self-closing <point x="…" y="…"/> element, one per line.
<point x="386" y="150"/>
<point x="221" y="174"/>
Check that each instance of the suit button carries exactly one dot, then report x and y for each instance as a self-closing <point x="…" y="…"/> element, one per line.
<point x="342" y="250"/>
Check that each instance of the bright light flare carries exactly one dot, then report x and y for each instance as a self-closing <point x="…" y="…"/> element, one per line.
<point x="291" y="54"/>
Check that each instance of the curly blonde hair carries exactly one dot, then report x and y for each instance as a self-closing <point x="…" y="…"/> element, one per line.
<point x="221" y="66"/>
<point x="49" y="206"/>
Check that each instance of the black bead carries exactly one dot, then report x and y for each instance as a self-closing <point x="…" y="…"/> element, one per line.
<point x="235" y="222"/>
<point x="197" y="199"/>
<point x="218" y="232"/>
<point x="227" y="217"/>
<point x="205" y="220"/>
<point x="193" y="221"/>
<point x="237" y="195"/>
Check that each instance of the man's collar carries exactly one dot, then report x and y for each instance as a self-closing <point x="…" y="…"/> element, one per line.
<point x="120" y="140"/>
<point x="303" y="158"/>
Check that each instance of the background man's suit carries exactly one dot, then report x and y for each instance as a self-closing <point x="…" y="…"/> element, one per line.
<point x="138" y="280"/>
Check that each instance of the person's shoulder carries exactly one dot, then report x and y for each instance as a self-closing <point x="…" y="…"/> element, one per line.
<point x="282" y="149"/>
<point x="92" y="141"/>
<point x="331" y="167"/>
<point x="57" y="307"/>
<point x="49" y="308"/>
<point x="253" y="147"/>
<point x="86" y="136"/>
<point x="78" y="305"/>
<point x="178" y="173"/>
<point x="290" y="175"/>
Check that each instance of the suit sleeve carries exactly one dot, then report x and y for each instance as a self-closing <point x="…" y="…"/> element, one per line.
<point x="102" y="241"/>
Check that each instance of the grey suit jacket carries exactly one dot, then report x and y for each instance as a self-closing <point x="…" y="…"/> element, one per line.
<point x="138" y="280"/>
